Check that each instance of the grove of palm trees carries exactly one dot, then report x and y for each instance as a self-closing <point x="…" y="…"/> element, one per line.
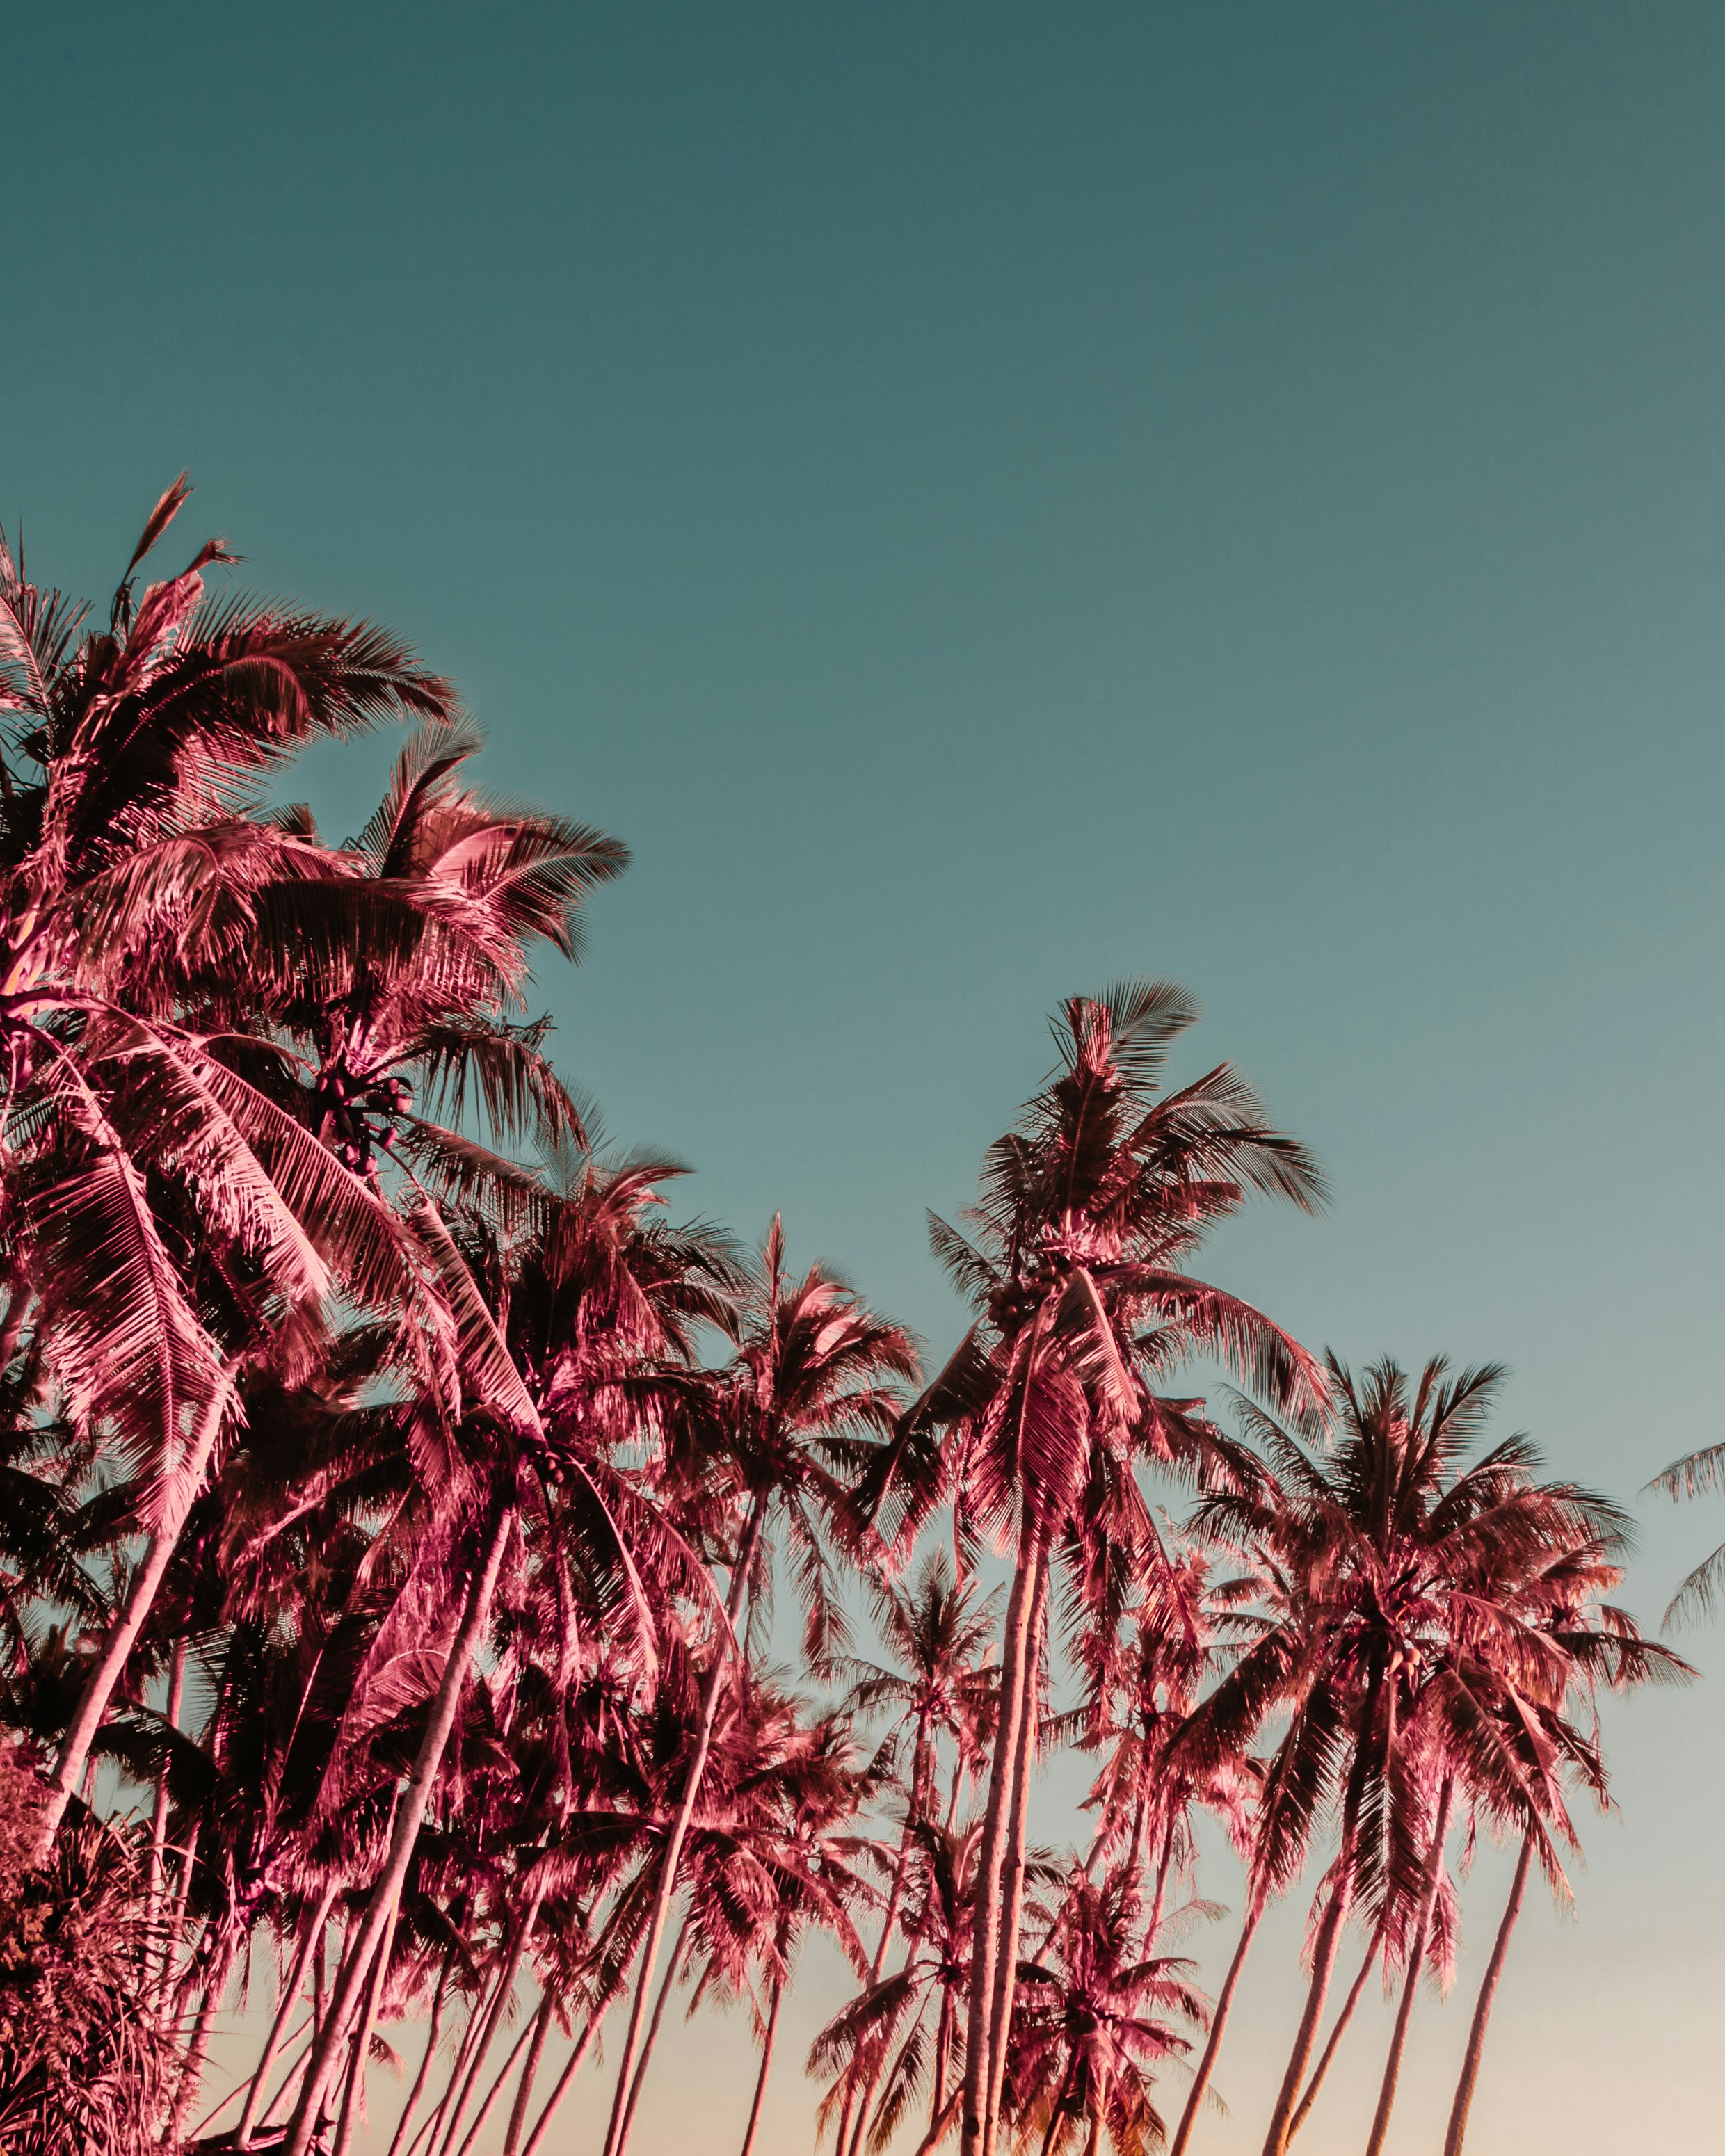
<point x="462" y="1618"/>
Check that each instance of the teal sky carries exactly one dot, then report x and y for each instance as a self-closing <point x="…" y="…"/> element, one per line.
<point x="985" y="500"/>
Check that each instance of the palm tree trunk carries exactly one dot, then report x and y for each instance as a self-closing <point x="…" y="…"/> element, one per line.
<point x="1012" y="1888"/>
<point x="1327" y="2060"/>
<point x="524" y="2089"/>
<point x="353" y="2101"/>
<point x="1218" y="2024"/>
<point x="572" y="2066"/>
<point x="380" y="1907"/>
<point x="278" y="2027"/>
<point x="621" y="2127"/>
<point x="986" y="1932"/>
<point x="1059" y="2097"/>
<point x="685" y="1811"/>
<point x="496" y="2010"/>
<point x="888" y="1922"/>
<point x="191" y="2071"/>
<point x="1416" y="1962"/>
<point x="425" y="2073"/>
<point x="748" y="2139"/>
<point x="158" y="1823"/>
<point x="141" y="1598"/>
<point x="1329" y="1936"/>
<point x="1165" y="1858"/>
<point x="495" y="2090"/>
<point x="1482" y="2011"/>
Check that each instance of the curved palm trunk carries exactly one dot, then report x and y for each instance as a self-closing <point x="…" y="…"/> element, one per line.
<point x="621" y="2130"/>
<point x="1416" y="1962"/>
<point x="278" y="2028"/>
<point x="192" y="2072"/>
<point x="353" y="2101"/>
<point x="986" y="1933"/>
<point x="1482" y="2011"/>
<point x="423" y="2075"/>
<point x="685" y="1811"/>
<point x="1012" y="1887"/>
<point x="1329" y="1936"/>
<point x="409" y="1815"/>
<point x="524" y="2088"/>
<point x="1303" y="2110"/>
<point x="494" y="2011"/>
<point x="1218" y="2024"/>
<point x="846" y="2139"/>
<point x="748" y="2139"/>
<point x="495" y="2090"/>
<point x="141" y="1598"/>
<point x="1159" y="1901"/>
<point x="158" y="1823"/>
<point x="572" y="2066"/>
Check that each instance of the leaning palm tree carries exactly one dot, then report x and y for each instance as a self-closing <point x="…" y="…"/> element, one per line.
<point x="785" y="1431"/>
<point x="1382" y="1579"/>
<point x="1100" y="2012"/>
<point x="126" y="861"/>
<point x="1091" y="1209"/>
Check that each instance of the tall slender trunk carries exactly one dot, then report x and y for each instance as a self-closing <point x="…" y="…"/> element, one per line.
<point x="158" y="1823"/>
<point x="191" y="2071"/>
<point x="985" y="1939"/>
<point x="141" y="1598"/>
<point x="1302" y="2110"/>
<point x="380" y="1906"/>
<point x="685" y="1811"/>
<point x="1059" y="2097"/>
<point x="278" y="2028"/>
<point x="176" y="1922"/>
<point x="1012" y="1875"/>
<point x="524" y="2088"/>
<point x="1158" y="1901"/>
<point x="572" y="2066"/>
<point x="353" y="2101"/>
<point x="1329" y="1936"/>
<point x="498" y="2006"/>
<point x="1416" y="1963"/>
<point x="425" y="2073"/>
<point x="1482" y="2011"/>
<point x="1218" y="2024"/>
<point x="748" y="2139"/>
<point x="522" y="2040"/>
<point x="848" y="2143"/>
<point x="624" y="2103"/>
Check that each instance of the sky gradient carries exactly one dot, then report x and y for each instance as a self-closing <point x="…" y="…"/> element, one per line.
<point x="988" y="500"/>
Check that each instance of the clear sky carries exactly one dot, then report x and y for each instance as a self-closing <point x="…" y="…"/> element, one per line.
<point x="985" y="499"/>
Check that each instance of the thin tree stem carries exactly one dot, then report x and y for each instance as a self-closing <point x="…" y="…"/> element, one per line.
<point x="409" y="1816"/>
<point x="1482" y="2011"/>
<point x="158" y="1823"/>
<point x="431" y="2036"/>
<point x="353" y="2101"/>
<point x="524" y="2089"/>
<point x="278" y="2028"/>
<point x="985" y="1932"/>
<point x="1012" y="1887"/>
<point x="1218" y="2024"/>
<point x="1416" y="1963"/>
<point x="748" y="2139"/>
<point x="572" y="2066"/>
<point x="1355" y="1992"/>
<point x="686" y="1810"/>
<point x="485" y="2109"/>
<point x="623" y="2129"/>
<point x="141" y="1598"/>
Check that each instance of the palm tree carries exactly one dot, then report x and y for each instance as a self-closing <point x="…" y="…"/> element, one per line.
<point x="1383" y="1603"/>
<point x="124" y="871"/>
<point x="937" y="1632"/>
<point x="1099" y="2012"/>
<point x="1089" y="1209"/>
<point x="784" y="1430"/>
